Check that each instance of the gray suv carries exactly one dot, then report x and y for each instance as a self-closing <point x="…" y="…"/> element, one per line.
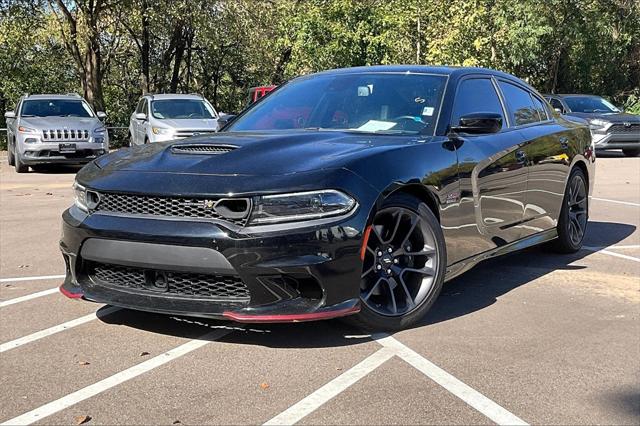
<point x="167" y="117"/>
<point x="54" y="129"/>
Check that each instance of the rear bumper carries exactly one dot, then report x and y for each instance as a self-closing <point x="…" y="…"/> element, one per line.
<point x="290" y="274"/>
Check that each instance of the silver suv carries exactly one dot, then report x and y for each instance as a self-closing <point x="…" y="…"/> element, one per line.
<point x="171" y="116"/>
<point x="52" y="129"/>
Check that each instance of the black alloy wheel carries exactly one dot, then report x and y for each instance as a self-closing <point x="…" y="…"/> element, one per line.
<point x="574" y="215"/>
<point x="403" y="266"/>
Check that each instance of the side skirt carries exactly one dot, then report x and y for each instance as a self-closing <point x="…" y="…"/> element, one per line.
<point x="533" y="240"/>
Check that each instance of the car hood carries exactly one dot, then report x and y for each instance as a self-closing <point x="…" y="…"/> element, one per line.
<point x="615" y="117"/>
<point x="188" y="124"/>
<point x="59" y="122"/>
<point x="256" y="154"/>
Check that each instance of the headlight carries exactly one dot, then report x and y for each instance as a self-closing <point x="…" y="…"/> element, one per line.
<point x="300" y="206"/>
<point x="23" y="129"/>
<point x="597" y="124"/>
<point x="85" y="200"/>
<point x="100" y="130"/>
<point x="161" y="131"/>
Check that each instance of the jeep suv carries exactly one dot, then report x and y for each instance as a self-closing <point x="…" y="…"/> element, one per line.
<point x="171" y="116"/>
<point x="54" y="129"/>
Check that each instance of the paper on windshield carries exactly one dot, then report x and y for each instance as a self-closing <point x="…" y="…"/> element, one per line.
<point x="375" y="125"/>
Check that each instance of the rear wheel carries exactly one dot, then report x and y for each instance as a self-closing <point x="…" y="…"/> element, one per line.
<point x="404" y="265"/>
<point x="572" y="223"/>
<point x="20" y="167"/>
<point x="631" y="152"/>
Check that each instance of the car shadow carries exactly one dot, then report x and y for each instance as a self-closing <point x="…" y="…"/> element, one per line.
<point x="464" y="295"/>
<point x="54" y="169"/>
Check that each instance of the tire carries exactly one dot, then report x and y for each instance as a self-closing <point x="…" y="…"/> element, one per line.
<point x="574" y="214"/>
<point x="631" y="152"/>
<point x="399" y="294"/>
<point x="10" y="156"/>
<point x="20" y="168"/>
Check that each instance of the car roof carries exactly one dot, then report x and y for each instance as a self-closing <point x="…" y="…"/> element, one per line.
<point x="55" y="96"/>
<point x="568" y="95"/>
<point x="174" y="96"/>
<point x="421" y="69"/>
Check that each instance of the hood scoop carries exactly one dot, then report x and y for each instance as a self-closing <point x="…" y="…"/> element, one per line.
<point x="202" y="149"/>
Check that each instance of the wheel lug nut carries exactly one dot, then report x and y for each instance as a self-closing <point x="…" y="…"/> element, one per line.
<point x="395" y="261"/>
<point x="379" y="253"/>
<point x="379" y="267"/>
<point x="389" y="271"/>
<point x="390" y="250"/>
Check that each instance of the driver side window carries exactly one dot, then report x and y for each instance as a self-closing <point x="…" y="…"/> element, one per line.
<point x="476" y="95"/>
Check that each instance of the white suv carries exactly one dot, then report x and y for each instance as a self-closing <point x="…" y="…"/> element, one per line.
<point x="171" y="116"/>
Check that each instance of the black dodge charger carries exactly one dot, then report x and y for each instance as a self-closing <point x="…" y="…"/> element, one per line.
<point x="349" y="192"/>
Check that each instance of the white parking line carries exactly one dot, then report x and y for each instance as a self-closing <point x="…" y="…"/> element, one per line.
<point x="626" y="203"/>
<point x="112" y="381"/>
<point x="469" y="395"/>
<point x="309" y="404"/>
<point x="41" y="277"/>
<point x="28" y="297"/>
<point x="391" y="348"/>
<point x="56" y="329"/>
<point x="611" y="253"/>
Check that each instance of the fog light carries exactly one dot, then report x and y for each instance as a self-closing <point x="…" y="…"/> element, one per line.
<point x="30" y="140"/>
<point x="99" y="140"/>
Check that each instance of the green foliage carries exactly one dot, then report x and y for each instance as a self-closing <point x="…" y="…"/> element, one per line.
<point x="221" y="48"/>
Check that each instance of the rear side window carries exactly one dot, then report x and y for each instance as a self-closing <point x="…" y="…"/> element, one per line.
<point x="476" y="95"/>
<point x="521" y="108"/>
<point x="539" y="106"/>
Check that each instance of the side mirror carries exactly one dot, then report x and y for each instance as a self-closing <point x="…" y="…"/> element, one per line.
<point x="223" y="120"/>
<point x="479" y="123"/>
<point x="9" y="114"/>
<point x="141" y="116"/>
<point x="101" y="115"/>
<point x="558" y="110"/>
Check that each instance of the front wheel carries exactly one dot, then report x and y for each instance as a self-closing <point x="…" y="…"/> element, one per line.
<point x="404" y="265"/>
<point x="572" y="223"/>
<point x="20" y="167"/>
<point x="10" y="156"/>
<point x="631" y="152"/>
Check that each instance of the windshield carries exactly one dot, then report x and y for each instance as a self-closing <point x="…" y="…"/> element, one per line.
<point x="181" y="109"/>
<point x="364" y="102"/>
<point x="589" y="104"/>
<point x="55" y="108"/>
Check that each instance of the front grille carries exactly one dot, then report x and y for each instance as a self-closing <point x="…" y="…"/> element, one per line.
<point x="163" y="206"/>
<point x="201" y="149"/>
<point x="622" y="129"/>
<point x="65" y="135"/>
<point x="189" y="133"/>
<point x="169" y="282"/>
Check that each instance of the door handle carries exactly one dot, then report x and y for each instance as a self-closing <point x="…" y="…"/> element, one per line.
<point x="521" y="157"/>
<point x="564" y="142"/>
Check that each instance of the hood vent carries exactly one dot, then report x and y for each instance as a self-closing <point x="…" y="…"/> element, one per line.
<point x="202" y="149"/>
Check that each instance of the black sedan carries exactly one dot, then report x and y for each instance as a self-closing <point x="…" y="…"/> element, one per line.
<point x="349" y="192"/>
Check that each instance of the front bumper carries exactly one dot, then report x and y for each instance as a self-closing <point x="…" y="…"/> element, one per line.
<point x="49" y="152"/>
<point x="290" y="274"/>
<point x="616" y="141"/>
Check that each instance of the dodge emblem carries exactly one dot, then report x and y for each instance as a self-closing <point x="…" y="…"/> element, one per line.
<point x="626" y="124"/>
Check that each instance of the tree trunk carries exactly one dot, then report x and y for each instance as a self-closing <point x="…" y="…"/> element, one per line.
<point x="145" y="48"/>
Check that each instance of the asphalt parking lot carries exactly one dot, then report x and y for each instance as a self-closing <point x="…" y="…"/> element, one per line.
<point x="533" y="337"/>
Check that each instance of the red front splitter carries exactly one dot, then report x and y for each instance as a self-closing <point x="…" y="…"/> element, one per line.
<point x="271" y="318"/>
<point x="69" y="294"/>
